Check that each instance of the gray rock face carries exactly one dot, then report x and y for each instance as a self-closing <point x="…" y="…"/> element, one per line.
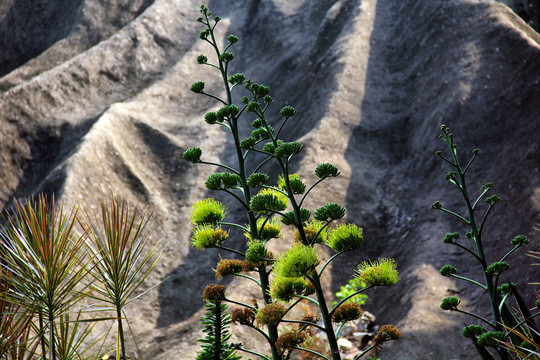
<point x="96" y="101"/>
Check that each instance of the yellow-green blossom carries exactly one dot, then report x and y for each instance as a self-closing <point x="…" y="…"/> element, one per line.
<point x="382" y="272"/>
<point x="207" y="211"/>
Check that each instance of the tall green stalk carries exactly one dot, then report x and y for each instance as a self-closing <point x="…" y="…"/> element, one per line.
<point x="475" y="221"/>
<point x="293" y="274"/>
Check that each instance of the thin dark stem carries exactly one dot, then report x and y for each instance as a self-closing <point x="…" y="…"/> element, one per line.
<point x="121" y="332"/>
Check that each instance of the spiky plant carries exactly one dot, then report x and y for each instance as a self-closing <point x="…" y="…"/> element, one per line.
<point x="216" y="323"/>
<point x="15" y="324"/>
<point x="44" y="264"/>
<point x="123" y="257"/>
<point x="75" y="340"/>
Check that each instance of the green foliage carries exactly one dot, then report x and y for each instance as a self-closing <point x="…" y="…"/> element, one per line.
<point x="49" y="268"/>
<point x="215" y="344"/>
<point x="350" y="291"/>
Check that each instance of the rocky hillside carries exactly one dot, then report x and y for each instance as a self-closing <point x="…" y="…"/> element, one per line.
<point x="95" y="101"/>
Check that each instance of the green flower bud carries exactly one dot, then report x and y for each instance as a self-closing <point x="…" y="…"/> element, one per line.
<point x="268" y="100"/>
<point x="473" y="331"/>
<point x="208" y="236"/>
<point x="297" y="186"/>
<point x="304" y="214"/>
<point x="488" y="186"/>
<point x="203" y="35"/>
<point x="326" y="170"/>
<point x="268" y="200"/>
<point x="223" y="180"/>
<point x="383" y="272"/>
<point x="537" y="304"/>
<point x="245" y="100"/>
<point x="312" y="229"/>
<point x="520" y="240"/>
<point x="347" y="312"/>
<point x="199" y="19"/>
<point x="202" y="59"/>
<point x="450" y="303"/>
<point x="506" y="289"/>
<point x="451" y="238"/>
<point x="237" y="79"/>
<point x="212" y="118"/>
<point x="256" y="252"/>
<point x="197" y="87"/>
<point x="438" y="153"/>
<point x="475" y="151"/>
<point x="469" y="235"/>
<point x="491" y="338"/>
<point x="257" y="123"/>
<point x="232" y="39"/>
<point x="285" y="288"/>
<point x="269" y="147"/>
<point x="436" y="205"/>
<point x="227" y="56"/>
<point x="448" y="270"/>
<point x="287" y="111"/>
<point x="492" y="200"/>
<point x="253" y="106"/>
<point x="192" y="155"/>
<point x="497" y="268"/>
<point x="451" y="176"/>
<point x="257" y="180"/>
<point x="271" y="314"/>
<point x="228" y="111"/>
<point x="345" y="237"/>
<point x="288" y="148"/>
<point x="297" y="261"/>
<point x="261" y="133"/>
<point x="329" y="212"/>
<point x="207" y="211"/>
<point x="217" y="18"/>
<point x="248" y="143"/>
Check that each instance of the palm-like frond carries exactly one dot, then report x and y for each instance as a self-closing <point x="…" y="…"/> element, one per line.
<point x="121" y="252"/>
<point x="73" y="341"/>
<point x="122" y="256"/>
<point x="43" y="255"/>
<point x="14" y="325"/>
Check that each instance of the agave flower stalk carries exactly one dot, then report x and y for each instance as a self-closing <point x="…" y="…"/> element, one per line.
<point x="44" y="263"/>
<point x="122" y="259"/>
<point x="294" y="273"/>
<point x="503" y="316"/>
